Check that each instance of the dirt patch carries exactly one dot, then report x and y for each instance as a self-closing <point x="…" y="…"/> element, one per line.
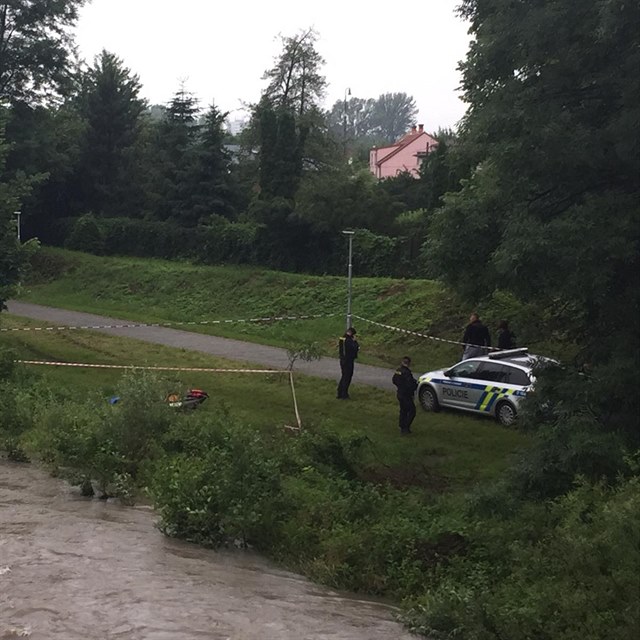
<point x="47" y="267"/>
<point x="395" y="289"/>
<point x="438" y="551"/>
<point x="403" y="477"/>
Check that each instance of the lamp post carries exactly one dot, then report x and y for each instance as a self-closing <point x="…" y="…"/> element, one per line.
<point x="350" y="235"/>
<point x="347" y="92"/>
<point x="18" y="214"/>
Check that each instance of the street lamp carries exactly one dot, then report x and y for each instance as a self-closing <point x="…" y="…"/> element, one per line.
<point x="18" y="214"/>
<point x="350" y="235"/>
<point x="347" y="92"/>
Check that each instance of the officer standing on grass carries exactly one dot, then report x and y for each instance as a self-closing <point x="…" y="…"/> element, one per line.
<point x="476" y="338"/>
<point x="348" y="348"/>
<point x="406" y="384"/>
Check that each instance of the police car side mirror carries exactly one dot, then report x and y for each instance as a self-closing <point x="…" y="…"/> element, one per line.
<point x="447" y="373"/>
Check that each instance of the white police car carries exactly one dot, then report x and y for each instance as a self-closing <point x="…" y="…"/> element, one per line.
<point x="494" y="384"/>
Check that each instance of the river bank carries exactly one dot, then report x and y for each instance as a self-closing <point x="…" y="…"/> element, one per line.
<point x="72" y="568"/>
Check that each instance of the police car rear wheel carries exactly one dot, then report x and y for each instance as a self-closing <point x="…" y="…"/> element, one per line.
<point x="428" y="399"/>
<point x="506" y="414"/>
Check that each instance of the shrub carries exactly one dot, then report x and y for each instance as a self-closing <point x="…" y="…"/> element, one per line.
<point x="222" y="493"/>
<point x="91" y="439"/>
<point x="86" y="235"/>
<point x="7" y="363"/>
<point x="567" y="570"/>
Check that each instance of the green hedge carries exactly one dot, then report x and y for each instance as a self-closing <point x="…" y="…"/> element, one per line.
<point x="293" y="247"/>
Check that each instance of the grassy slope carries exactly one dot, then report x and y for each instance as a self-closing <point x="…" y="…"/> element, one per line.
<point x="449" y="450"/>
<point x="156" y="291"/>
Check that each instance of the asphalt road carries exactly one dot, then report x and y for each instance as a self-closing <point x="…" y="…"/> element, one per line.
<point x="247" y="352"/>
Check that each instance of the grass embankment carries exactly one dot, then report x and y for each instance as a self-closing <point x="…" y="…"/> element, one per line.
<point x="162" y="291"/>
<point x="449" y="450"/>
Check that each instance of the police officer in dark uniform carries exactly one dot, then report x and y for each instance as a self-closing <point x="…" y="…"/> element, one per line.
<point x="476" y="338"/>
<point x="506" y="337"/>
<point x="348" y="348"/>
<point x="406" y="384"/>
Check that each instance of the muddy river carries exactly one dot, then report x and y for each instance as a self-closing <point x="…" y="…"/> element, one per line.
<point x="72" y="568"/>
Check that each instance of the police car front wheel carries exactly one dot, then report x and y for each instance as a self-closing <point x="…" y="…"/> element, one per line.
<point x="428" y="399"/>
<point x="506" y="414"/>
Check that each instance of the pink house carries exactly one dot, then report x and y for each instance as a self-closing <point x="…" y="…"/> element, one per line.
<point x="404" y="155"/>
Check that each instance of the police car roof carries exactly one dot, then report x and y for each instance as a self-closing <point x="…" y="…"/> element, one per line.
<point x="519" y="357"/>
<point x="509" y="353"/>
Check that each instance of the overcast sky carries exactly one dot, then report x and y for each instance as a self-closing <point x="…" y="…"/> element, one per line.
<point x="221" y="49"/>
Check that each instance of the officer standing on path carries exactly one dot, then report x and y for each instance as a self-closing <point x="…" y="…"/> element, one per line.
<point x="406" y="384"/>
<point x="476" y="338"/>
<point x="348" y="348"/>
<point x="506" y="337"/>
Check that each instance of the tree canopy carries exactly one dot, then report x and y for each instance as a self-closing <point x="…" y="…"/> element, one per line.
<point x="295" y="80"/>
<point x="13" y="254"/>
<point x="371" y="121"/>
<point x="35" y="47"/>
<point x="551" y="210"/>
<point x="112" y="109"/>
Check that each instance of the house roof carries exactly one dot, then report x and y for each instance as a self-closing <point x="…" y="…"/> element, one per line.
<point x="407" y="139"/>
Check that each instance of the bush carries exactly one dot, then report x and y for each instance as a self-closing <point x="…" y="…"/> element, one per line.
<point x="221" y="489"/>
<point x="7" y="363"/>
<point x="111" y="444"/>
<point x="300" y="502"/>
<point x="566" y="570"/>
<point x="86" y="235"/>
<point x="221" y="241"/>
<point x="147" y="238"/>
<point x="377" y="255"/>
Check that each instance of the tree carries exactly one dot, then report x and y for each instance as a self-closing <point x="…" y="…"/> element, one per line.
<point x="171" y="156"/>
<point x="35" y="47"/>
<point x="352" y="119"/>
<point x="359" y="124"/>
<point x="333" y="199"/>
<point x="551" y="210"/>
<point x="442" y="171"/>
<point x="47" y="141"/>
<point x="112" y="108"/>
<point x="393" y="115"/>
<point x="212" y="191"/>
<point x="295" y="81"/>
<point x="14" y="256"/>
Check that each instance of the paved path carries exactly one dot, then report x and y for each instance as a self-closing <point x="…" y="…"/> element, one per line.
<point x="237" y="350"/>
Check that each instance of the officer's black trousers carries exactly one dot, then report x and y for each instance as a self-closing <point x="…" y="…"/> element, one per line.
<point x="407" y="413"/>
<point x="346" y="366"/>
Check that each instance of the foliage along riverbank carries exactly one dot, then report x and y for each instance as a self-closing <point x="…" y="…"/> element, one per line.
<point x="482" y="564"/>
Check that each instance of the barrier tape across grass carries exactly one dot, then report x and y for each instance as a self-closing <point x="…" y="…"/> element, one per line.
<point x="421" y="335"/>
<point x="90" y="365"/>
<point x="142" y="325"/>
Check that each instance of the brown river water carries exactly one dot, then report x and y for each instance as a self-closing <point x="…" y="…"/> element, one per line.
<point x="73" y="568"/>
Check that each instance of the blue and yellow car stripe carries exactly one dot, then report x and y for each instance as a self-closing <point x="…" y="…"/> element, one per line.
<point x="491" y="394"/>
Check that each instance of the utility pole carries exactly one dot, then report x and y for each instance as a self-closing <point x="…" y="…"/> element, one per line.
<point x="350" y="235"/>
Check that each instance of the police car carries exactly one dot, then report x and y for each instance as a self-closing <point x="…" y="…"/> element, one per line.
<point x="494" y="384"/>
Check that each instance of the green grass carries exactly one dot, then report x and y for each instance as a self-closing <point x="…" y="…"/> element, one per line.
<point x="162" y="291"/>
<point x="449" y="451"/>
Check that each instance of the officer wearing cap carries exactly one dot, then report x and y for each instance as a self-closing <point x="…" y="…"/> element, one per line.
<point x="348" y="348"/>
<point x="406" y="386"/>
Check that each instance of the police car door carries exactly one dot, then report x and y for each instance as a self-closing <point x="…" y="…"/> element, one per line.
<point x="460" y="387"/>
<point x="495" y="376"/>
